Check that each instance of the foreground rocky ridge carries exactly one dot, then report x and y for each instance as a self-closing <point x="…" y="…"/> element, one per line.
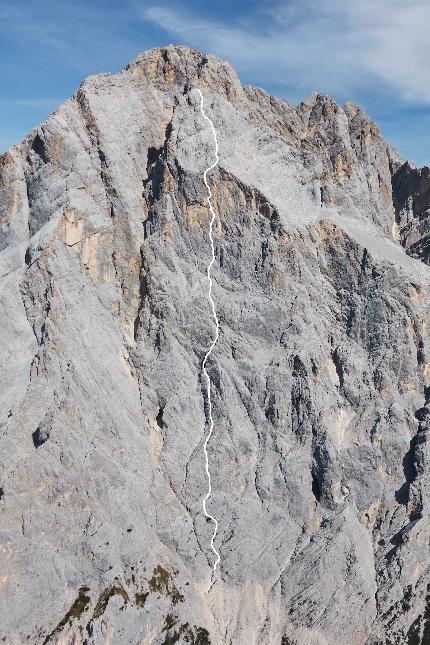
<point x="321" y="376"/>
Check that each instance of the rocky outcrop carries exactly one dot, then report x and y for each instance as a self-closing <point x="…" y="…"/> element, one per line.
<point x="411" y="193"/>
<point x="321" y="376"/>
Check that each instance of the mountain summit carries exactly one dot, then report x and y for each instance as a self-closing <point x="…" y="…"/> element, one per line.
<point x="320" y="379"/>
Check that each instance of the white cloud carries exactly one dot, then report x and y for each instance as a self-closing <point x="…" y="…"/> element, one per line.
<point x="393" y="44"/>
<point x="341" y="47"/>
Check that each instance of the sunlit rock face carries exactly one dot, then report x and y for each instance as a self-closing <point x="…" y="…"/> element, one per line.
<point x="320" y="379"/>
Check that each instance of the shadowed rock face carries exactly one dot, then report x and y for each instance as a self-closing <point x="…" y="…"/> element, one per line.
<point x="411" y="192"/>
<point x="321" y="377"/>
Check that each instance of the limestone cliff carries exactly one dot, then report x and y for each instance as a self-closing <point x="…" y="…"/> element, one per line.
<point x="321" y="376"/>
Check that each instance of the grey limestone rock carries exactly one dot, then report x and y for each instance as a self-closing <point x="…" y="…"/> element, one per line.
<point x="321" y="376"/>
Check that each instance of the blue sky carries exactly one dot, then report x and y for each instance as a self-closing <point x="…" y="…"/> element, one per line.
<point x="374" y="52"/>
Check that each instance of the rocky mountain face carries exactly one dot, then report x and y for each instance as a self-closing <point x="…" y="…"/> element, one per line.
<point x="412" y="203"/>
<point x="320" y="379"/>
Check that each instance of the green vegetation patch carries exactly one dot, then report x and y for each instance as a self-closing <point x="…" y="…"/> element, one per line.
<point x="76" y="610"/>
<point x="140" y="598"/>
<point x="105" y="596"/>
<point x="196" y="636"/>
<point x="162" y="583"/>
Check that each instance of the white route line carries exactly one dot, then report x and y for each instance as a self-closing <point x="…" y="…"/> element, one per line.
<point x="215" y="340"/>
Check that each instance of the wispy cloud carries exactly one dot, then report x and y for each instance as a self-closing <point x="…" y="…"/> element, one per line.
<point x="392" y="41"/>
<point x="340" y="47"/>
<point x="77" y="33"/>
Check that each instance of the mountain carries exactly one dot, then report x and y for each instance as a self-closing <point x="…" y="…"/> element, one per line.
<point x="320" y="379"/>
